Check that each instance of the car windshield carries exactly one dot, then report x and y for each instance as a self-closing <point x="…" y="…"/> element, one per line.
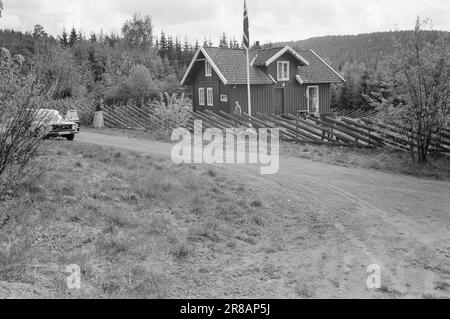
<point x="49" y="115"/>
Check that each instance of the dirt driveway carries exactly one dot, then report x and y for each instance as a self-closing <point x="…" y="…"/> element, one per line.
<point x="330" y="223"/>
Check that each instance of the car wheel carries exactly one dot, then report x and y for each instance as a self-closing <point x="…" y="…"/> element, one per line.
<point x="70" y="137"/>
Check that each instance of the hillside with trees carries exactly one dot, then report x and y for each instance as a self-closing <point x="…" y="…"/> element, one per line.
<point x="358" y="59"/>
<point x="369" y="48"/>
<point x="129" y="67"/>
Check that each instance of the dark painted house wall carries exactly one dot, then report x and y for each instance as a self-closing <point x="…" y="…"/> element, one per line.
<point x="295" y="98"/>
<point x="263" y="96"/>
<point x="202" y="81"/>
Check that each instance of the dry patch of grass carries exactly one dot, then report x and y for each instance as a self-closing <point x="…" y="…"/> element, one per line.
<point x="136" y="225"/>
<point x="382" y="159"/>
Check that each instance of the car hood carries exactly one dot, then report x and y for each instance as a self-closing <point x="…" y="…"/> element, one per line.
<point x="61" y="123"/>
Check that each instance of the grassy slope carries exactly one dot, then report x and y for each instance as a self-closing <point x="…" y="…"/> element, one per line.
<point x="138" y="226"/>
<point x="141" y="227"/>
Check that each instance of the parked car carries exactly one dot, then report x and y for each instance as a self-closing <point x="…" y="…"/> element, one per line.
<point x="55" y="125"/>
<point x="72" y="116"/>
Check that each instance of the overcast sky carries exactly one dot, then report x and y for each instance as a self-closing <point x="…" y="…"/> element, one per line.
<point x="270" y="20"/>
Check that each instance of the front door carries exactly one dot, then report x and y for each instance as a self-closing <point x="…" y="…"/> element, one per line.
<point x="279" y="101"/>
<point x="313" y="99"/>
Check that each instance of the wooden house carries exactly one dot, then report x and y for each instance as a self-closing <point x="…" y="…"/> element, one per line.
<point x="282" y="80"/>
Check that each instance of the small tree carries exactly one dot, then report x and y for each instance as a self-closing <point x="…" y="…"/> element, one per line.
<point x="141" y="84"/>
<point x="172" y="110"/>
<point x="1" y="7"/>
<point x="21" y="135"/>
<point x="415" y="94"/>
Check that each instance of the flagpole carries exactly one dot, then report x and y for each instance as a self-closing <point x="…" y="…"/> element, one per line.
<point x="248" y="86"/>
<point x="246" y="43"/>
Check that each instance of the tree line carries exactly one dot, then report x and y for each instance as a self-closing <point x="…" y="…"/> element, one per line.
<point x="116" y="68"/>
<point x="358" y="58"/>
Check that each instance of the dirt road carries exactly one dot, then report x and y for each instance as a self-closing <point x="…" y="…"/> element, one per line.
<point x="330" y="224"/>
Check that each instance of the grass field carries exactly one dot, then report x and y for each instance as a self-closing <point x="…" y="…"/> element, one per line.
<point x="137" y="226"/>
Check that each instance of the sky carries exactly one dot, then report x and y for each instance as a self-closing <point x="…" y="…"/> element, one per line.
<point x="270" y="21"/>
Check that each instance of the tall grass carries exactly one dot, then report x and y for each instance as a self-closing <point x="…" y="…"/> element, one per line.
<point x="130" y="221"/>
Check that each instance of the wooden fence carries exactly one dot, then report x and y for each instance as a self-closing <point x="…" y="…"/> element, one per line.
<point x="117" y="116"/>
<point x="363" y="132"/>
<point x="352" y="113"/>
<point x="344" y="131"/>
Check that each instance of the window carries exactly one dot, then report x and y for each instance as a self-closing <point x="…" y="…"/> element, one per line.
<point x="210" y="97"/>
<point x="208" y="69"/>
<point x="223" y="98"/>
<point x="313" y="99"/>
<point x="201" y="96"/>
<point x="283" y="71"/>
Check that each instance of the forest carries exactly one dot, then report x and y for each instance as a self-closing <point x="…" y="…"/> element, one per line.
<point x="115" y="68"/>
<point x="135" y="66"/>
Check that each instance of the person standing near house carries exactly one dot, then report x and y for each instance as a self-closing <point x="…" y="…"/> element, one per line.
<point x="237" y="112"/>
<point x="237" y="108"/>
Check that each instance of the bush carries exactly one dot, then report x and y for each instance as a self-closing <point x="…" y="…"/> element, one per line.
<point x="138" y="87"/>
<point x="20" y="135"/>
<point x="172" y="110"/>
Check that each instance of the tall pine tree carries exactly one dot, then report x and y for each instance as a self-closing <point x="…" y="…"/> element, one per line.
<point x="73" y="37"/>
<point x="64" y="40"/>
<point x="186" y="51"/>
<point x="170" y="49"/>
<point x="163" y="51"/>
<point x="223" y="41"/>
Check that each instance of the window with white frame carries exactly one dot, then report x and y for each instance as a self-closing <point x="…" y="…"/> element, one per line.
<point x="223" y="98"/>
<point x="210" y="97"/>
<point x="201" y="96"/>
<point x="208" y="69"/>
<point x="283" y="71"/>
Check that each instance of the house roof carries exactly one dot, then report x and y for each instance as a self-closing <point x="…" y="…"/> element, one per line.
<point x="266" y="57"/>
<point x="318" y="71"/>
<point x="231" y="65"/>
<point x="262" y="56"/>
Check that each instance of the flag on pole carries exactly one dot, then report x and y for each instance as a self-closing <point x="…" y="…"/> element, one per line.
<point x="246" y="43"/>
<point x="246" y="40"/>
